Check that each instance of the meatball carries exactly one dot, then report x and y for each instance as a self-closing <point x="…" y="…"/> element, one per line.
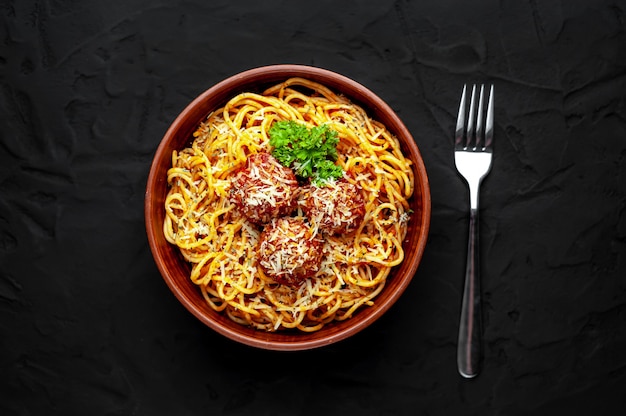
<point x="264" y="189"/>
<point x="335" y="207"/>
<point x="289" y="252"/>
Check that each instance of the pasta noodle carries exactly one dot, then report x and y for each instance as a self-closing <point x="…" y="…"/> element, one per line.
<point x="221" y="245"/>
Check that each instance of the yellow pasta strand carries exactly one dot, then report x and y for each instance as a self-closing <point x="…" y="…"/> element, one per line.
<point x="221" y="245"/>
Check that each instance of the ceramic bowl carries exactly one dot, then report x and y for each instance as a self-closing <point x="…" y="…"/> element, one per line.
<point x="174" y="269"/>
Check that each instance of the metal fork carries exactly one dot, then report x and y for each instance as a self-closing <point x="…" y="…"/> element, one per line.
<point x="472" y="156"/>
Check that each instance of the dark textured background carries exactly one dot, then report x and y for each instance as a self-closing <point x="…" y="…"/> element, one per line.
<point x="88" y="88"/>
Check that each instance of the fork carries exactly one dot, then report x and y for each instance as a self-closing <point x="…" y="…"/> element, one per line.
<point x="473" y="150"/>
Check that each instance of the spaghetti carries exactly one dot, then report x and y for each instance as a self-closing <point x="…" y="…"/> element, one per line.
<point x="222" y="246"/>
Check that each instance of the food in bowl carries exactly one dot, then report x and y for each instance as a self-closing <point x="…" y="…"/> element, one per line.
<point x="291" y="206"/>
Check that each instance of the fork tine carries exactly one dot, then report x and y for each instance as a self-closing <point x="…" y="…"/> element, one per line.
<point x="460" y="122"/>
<point x="479" y="119"/>
<point x="471" y="122"/>
<point x="489" y="123"/>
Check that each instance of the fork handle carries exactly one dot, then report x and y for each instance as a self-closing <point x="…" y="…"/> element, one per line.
<point x="469" y="344"/>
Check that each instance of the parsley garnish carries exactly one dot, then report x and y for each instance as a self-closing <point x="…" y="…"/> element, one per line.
<point x="311" y="153"/>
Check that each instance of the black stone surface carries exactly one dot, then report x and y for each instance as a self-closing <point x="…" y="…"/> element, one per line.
<point x="88" y="88"/>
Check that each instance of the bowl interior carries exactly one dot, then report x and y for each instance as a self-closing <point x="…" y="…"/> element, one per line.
<point x="174" y="268"/>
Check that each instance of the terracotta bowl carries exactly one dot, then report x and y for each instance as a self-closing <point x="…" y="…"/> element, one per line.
<point x="175" y="270"/>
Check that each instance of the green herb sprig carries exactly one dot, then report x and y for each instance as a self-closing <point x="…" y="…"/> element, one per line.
<point x="311" y="153"/>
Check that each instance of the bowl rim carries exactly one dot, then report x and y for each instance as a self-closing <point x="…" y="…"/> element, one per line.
<point x="357" y="93"/>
